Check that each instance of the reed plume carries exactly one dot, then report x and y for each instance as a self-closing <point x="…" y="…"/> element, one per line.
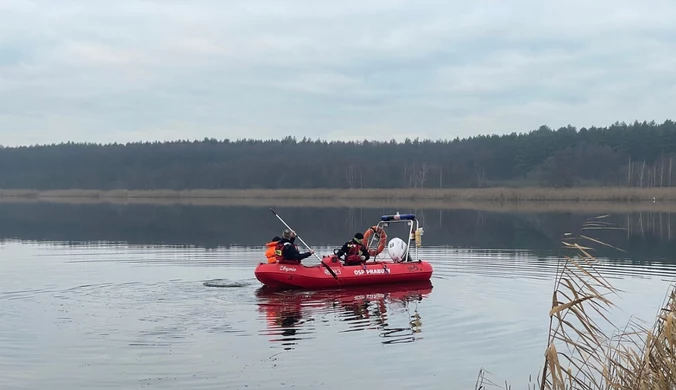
<point x="579" y="354"/>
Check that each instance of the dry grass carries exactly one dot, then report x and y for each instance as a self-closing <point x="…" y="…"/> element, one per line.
<point x="598" y="207"/>
<point x="497" y="194"/>
<point x="578" y="354"/>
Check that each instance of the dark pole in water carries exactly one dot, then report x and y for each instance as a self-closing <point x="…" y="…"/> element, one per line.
<point x="306" y="245"/>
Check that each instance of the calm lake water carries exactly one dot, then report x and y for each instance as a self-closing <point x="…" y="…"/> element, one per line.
<point x="106" y="296"/>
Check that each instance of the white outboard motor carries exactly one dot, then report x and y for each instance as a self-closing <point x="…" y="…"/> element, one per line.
<point x="397" y="249"/>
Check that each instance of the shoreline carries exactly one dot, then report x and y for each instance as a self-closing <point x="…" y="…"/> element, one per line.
<point x="492" y="194"/>
<point x="475" y="199"/>
<point x="419" y="206"/>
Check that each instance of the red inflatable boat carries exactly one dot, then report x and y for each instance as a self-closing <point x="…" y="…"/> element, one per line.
<point x="400" y="268"/>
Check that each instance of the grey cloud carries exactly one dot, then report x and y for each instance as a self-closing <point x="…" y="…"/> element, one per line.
<point x="126" y="70"/>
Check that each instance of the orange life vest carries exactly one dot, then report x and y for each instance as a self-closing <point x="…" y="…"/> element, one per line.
<point x="270" y="252"/>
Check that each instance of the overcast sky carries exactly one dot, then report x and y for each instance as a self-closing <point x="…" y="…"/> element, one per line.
<point x="105" y="71"/>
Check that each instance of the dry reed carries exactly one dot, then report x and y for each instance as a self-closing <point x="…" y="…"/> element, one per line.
<point x="495" y="194"/>
<point x="598" y="207"/>
<point x="578" y="354"/>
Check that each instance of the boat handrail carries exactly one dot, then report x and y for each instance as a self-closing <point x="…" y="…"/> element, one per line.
<point x="413" y="224"/>
<point x="398" y="217"/>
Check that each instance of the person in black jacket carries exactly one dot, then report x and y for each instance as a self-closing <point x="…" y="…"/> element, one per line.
<point x="286" y="252"/>
<point x="354" y="250"/>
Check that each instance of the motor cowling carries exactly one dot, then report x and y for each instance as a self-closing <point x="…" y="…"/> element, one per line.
<point x="397" y="249"/>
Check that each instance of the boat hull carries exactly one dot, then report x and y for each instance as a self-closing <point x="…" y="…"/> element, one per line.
<point x="318" y="277"/>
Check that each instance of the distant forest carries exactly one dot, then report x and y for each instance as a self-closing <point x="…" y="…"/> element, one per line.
<point x="638" y="154"/>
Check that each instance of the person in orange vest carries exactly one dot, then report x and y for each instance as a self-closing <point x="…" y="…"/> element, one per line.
<point x="354" y="250"/>
<point x="270" y="252"/>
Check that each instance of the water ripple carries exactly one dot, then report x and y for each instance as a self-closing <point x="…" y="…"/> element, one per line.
<point x="124" y="316"/>
<point x="224" y="283"/>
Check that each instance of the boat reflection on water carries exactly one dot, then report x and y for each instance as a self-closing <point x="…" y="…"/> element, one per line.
<point x="294" y="315"/>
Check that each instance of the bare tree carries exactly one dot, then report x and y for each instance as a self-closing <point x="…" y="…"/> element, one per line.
<point x="641" y="176"/>
<point x="413" y="176"/>
<point x="422" y="174"/>
<point x="480" y="177"/>
<point x="407" y="175"/>
<point x="629" y="172"/>
<point x="349" y="175"/>
<point x="441" y="178"/>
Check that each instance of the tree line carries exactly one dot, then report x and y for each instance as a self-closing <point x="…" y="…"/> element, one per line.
<point x="637" y="154"/>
